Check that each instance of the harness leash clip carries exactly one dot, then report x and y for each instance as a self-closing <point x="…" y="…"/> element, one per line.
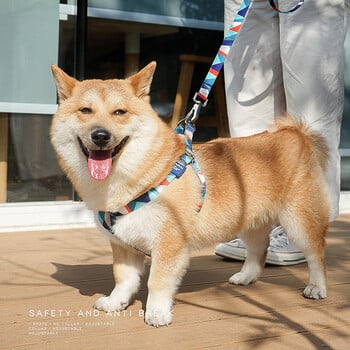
<point x="193" y="114"/>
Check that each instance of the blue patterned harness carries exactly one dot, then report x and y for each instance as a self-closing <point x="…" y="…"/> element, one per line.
<point x="108" y="219"/>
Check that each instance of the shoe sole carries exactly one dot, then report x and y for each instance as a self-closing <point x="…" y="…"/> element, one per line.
<point x="269" y="260"/>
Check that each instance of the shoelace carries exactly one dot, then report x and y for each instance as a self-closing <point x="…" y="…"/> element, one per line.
<point x="278" y="238"/>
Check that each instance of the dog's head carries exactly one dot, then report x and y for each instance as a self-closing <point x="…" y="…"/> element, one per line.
<point x="97" y="117"/>
<point x="103" y="128"/>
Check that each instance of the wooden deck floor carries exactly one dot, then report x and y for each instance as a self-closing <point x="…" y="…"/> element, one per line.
<point x="50" y="280"/>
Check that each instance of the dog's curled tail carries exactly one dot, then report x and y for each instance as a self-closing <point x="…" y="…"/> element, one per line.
<point x="314" y="140"/>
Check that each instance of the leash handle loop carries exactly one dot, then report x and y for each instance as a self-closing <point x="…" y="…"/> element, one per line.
<point x="276" y="8"/>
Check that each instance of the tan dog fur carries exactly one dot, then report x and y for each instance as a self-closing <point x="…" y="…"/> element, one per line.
<point x="253" y="183"/>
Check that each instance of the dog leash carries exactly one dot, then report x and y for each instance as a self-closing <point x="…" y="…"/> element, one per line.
<point x="200" y="98"/>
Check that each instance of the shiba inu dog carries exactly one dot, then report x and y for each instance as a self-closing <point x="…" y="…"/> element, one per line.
<point x="115" y="149"/>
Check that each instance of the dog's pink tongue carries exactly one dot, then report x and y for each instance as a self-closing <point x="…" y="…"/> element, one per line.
<point x="100" y="164"/>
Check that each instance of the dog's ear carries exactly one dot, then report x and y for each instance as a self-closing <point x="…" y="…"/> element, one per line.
<point x="141" y="81"/>
<point x="64" y="83"/>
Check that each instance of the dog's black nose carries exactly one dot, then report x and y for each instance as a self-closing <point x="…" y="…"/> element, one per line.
<point x="100" y="137"/>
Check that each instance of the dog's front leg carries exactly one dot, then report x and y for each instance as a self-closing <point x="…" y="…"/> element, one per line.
<point x="169" y="262"/>
<point x="128" y="266"/>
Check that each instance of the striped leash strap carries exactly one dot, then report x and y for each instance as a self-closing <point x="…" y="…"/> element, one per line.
<point x="200" y="98"/>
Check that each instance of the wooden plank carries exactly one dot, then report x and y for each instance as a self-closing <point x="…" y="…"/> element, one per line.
<point x="68" y="270"/>
<point x="201" y="334"/>
<point x="238" y="310"/>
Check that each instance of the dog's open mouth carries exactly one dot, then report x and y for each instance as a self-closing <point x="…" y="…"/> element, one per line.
<point x="100" y="161"/>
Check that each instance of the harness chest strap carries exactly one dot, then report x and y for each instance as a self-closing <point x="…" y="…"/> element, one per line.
<point x="108" y="219"/>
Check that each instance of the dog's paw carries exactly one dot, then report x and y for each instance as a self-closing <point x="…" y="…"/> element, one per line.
<point x="158" y="318"/>
<point x="109" y="304"/>
<point x="241" y="278"/>
<point x="315" y="292"/>
<point x="158" y="314"/>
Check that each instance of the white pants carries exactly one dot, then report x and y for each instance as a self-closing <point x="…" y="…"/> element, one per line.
<point x="289" y="62"/>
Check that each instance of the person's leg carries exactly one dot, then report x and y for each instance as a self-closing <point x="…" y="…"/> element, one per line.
<point x="312" y="53"/>
<point x="307" y="43"/>
<point x="311" y="38"/>
<point x="253" y="75"/>
<point x="255" y="96"/>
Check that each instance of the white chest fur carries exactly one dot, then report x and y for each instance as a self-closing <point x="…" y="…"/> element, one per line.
<point x="137" y="229"/>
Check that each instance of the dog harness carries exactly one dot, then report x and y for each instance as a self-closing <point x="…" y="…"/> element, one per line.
<point x="108" y="219"/>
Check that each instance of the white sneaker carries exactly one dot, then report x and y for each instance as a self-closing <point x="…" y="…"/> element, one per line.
<point x="280" y="251"/>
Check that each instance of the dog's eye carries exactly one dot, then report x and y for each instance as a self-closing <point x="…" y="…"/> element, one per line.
<point x="85" y="110"/>
<point x="119" y="112"/>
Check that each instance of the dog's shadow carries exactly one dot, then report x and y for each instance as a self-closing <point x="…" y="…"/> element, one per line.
<point x="97" y="279"/>
<point x="93" y="279"/>
<point x="88" y="279"/>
